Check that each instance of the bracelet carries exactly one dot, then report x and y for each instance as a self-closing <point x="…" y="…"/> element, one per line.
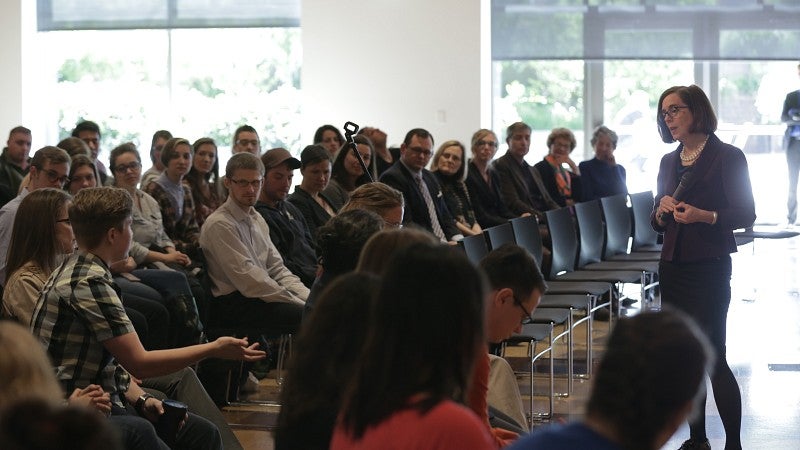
<point x="714" y="218"/>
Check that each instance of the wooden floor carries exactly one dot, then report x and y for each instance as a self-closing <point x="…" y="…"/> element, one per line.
<point x="763" y="350"/>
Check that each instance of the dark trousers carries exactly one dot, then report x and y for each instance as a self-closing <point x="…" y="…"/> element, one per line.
<point x="237" y="312"/>
<point x="793" y="163"/>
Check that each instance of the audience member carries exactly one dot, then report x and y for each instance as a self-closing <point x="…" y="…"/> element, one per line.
<point x="287" y="227"/>
<point x="381" y="199"/>
<point x="647" y="384"/>
<point x="160" y="138"/>
<point x="82" y="174"/>
<point x="449" y="166"/>
<point x="251" y="286"/>
<point x="347" y="173"/>
<point x="330" y="138"/>
<point x="80" y="320"/>
<point x="339" y="244"/>
<point x="425" y="204"/>
<point x="383" y="245"/>
<point x="483" y="184"/>
<point x="601" y="176"/>
<point x="308" y="197"/>
<point x="521" y="187"/>
<point x="174" y="198"/>
<point x="426" y="332"/>
<point x="203" y="178"/>
<point x="517" y="286"/>
<point x="49" y="168"/>
<point x="320" y="366"/>
<point x="562" y="184"/>
<point x="245" y="139"/>
<point x="89" y="132"/>
<point x="14" y="163"/>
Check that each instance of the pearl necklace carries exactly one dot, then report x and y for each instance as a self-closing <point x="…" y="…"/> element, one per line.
<point x="687" y="157"/>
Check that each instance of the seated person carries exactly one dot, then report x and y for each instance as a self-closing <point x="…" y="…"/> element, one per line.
<point x="287" y="227"/>
<point x="347" y="173"/>
<point x="601" y="176"/>
<point x="80" y="321"/>
<point x="175" y="198"/>
<point x="430" y="303"/>
<point x="160" y="138"/>
<point x="563" y="186"/>
<point x="252" y="288"/>
<point x="317" y="208"/>
<point x="320" y="366"/>
<point x="384" y="157"/>
<point x="449" y="165"/>
<point x="482" y="183"/>
<point x="381" y="199"/>
<point x="203" y="178"/>
<point x="647" y="384"/>
<point x="330" y="138"/>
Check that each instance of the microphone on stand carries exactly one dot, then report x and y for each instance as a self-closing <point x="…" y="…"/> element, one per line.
<point x="686" y="179"/>
<point x="350" y="130"/>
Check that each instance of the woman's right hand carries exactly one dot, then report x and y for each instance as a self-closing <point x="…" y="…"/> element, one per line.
<point x="665" y="206"/>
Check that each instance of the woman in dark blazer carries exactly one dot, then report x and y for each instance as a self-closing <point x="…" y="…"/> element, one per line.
<point x="482" y="183"/>
<point x="316" y="207"/>
<point x="563" y="186"/>
<point x="695" y="268"/>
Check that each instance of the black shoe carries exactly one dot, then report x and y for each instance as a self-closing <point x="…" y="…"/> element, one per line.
<point x="696" y="444"/>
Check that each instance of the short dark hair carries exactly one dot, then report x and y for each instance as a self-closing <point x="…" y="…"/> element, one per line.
<point x="705" y="121"/>
<point x="75" y="146"/>
<point x="242" y="128"/>
<point x="511" y="266"/>
<point x="96" y="210"/>
<point x="516" y="127"/>
<point x="54" y="155"/>
<point x="418" y="132"/>
<point x="168" y="152"/>
<point x="86" y="125"/>
<point x="128" y="147"/>
<point x="340" y="240"/>
<point x="19" y="129"/>
<point x="243" y="160"/>
<point x="654" y="364"/>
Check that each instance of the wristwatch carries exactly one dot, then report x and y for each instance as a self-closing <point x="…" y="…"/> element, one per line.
<point x="141" y="401"/>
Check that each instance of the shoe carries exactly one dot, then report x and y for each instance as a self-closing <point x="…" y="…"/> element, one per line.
<point x="627" y="301"/>
<point x="695" y="444"/>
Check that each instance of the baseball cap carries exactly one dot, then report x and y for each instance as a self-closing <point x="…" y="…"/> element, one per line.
<point x="276" y="156"/>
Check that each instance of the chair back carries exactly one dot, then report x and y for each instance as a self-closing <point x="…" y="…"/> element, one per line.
<point x="592" y="232"/>
<point x="500" y="234"/>
<point x="564" y="239"/>
<point x="643" y="233"/>
<point x="526" y="234"/>
<point x="475" y="247"/>
<point x="618" y="224"/>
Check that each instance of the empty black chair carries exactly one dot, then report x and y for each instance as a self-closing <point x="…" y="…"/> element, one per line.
<point x="475" y="247"/>
<point x="619" y="230"/>
<point x="645" y="238"/>
<point x="500" y="234"/>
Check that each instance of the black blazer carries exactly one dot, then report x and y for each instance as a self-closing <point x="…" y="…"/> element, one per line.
<point x="792" y="101"/>
<point x="549" y="180"/>
<point x="721" y="183"/>
<point x="513" y="188"/>
<point x="416" y="211"/>
<point x="490" y="210"/>
<point x="315" y="215"/>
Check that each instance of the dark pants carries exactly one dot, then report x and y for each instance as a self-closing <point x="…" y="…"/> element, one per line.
<point x="793" y="163"/>
<point x="703" y="291"/>
<point x="237" y="312"/>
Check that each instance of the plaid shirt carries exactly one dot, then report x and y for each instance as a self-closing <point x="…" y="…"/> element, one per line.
<point x="78" y="310"/>
<point x="185" y="233"/>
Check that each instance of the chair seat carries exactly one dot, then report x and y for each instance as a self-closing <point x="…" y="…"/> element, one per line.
<point x="650" y="248"/>
<point x="536" y="332"/>
<point x="647" y="266"/>
<point x="610" y="276"/>
<point x="596" y="288"/>
<point x="573" y="301"/>
<point x="556" y="316"/>
<point x="636" y="256"/>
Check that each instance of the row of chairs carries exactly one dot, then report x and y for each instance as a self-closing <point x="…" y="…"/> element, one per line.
<point x="590" y="262"/>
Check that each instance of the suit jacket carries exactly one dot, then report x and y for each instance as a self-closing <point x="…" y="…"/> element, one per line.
<point x="792" y="101"/>
<point x="518" y="197"/>
<point x="721" y="183"/>
<point x="315" y="216"/>
<point x="416" y="211"/>
<point x="490" y="210"/>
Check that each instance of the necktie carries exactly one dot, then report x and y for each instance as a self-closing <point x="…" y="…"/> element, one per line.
<point x="437" y="229"/>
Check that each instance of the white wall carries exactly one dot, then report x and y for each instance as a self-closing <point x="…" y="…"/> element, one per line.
<point x="11" y="72"/>
<point x="396" y="65"/>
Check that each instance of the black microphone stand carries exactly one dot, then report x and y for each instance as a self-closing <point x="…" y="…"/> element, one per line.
<point x="350" y="130"/>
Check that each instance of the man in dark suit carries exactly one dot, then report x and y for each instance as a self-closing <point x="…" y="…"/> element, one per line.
<point x="519" y="187"/>
<point x="791" y="142"/>
<point x="425" y="204"/>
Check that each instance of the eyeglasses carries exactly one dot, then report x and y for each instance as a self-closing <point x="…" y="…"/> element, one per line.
<point x="528" y="318"/>
<point x="424" y="152"/>
<point x="53" y="176"/>
<point x="256" y="184"/>
<point x="135" y="165"/>
<point x="489" y="143"/>
<point x="672" y="111"/>
<point x="246" y="142"/>
<point x="66" y="221"/>
<point x="388" y="224"/>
